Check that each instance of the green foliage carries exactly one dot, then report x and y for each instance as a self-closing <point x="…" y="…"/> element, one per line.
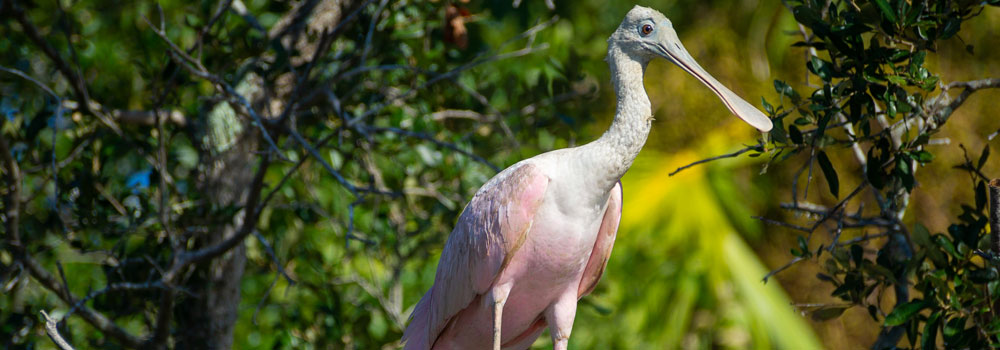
<point x="353" y="238"/>
<point x="406" y="125"/>
<point x="875" y="97"/>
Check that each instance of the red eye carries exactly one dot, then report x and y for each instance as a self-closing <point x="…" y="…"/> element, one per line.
<point x="646" y="29"/>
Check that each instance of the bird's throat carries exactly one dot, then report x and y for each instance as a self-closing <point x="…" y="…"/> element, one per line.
<point x="614" y="151"/>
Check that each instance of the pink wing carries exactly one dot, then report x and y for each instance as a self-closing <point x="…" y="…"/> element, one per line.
<point x="491" y="228"/>
<point x="605" y="241"/>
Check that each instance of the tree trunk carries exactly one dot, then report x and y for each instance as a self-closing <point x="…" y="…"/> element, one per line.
<point x="207" y="321"/>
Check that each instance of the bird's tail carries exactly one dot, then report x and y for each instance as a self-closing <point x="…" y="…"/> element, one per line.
<point x="417" y="333"/>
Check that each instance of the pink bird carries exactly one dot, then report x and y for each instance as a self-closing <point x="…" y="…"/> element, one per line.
<point x="537" y="237"/>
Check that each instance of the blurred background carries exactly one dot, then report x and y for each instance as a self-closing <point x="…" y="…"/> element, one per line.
<point x="687" y="269"/>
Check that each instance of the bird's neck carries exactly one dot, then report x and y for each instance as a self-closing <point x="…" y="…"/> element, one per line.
<point x="612" y="154"/>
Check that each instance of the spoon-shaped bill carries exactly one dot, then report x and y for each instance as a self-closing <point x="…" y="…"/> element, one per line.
<point x="672" y="49"/>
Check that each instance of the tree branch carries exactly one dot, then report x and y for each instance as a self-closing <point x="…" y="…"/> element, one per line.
<point x="95" y="318"/>
<point x="706" y="160"/>
<point x="425" y="137"/>
<point x="13" y="197"/>
<point x="53" y="332"/>
<point x="75" y="81"/>
<point x="252" y="213"/>
<point x="944" y="109"/>
<point x="196" y="68"/>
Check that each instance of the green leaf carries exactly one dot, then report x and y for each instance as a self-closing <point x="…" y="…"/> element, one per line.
<point x="812" y="19"/>
<point x="887" y="10"/>
<point x="928" y="339"/>
<point x="914" y="14"/>
<point x="923" y="156"/>
<point x="951" y="27"/>
<point x="921" y="236"/>
<point x="983" y="157"/>
<point x="903" y="166"/>
<point x="829" y="173"/>
<point x="953" y="327"/>
<point x="795" y="134"/>
<point x="873" y="77"/>
<point x="946" y="244"/>
<point x="916" y="62"/>
<point x="827" y="313"/>
<point x="904" y="312"/>
<point x="821" y="68"/>
<point x="784" y="89"/>
<point x="896" y="79"/>
<point x="857" y="254"/>
<point x="767" y="106"/>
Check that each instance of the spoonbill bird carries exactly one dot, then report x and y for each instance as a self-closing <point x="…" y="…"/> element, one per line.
<point x="537" y="236"/>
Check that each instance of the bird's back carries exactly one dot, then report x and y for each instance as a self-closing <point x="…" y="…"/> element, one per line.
<point x="491" y="227"/>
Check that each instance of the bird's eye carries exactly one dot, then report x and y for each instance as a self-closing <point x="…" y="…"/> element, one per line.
<point x="646" y="29"/>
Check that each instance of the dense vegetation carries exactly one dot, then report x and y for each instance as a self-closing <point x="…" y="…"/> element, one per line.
<point x="260" y="174"/>
<point x="874" y="97"/>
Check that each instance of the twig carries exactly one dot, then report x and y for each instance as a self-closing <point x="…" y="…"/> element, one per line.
<point x="451" y="146"/>
<point x="196" y="68"/>
<point x="53" y="332"/>
<point x="782" y="223"/>
<point x="13" y="197"/>
<point x="75" y="82"/>
<point x="96" y="319"/>
<point x="295" y="168"/>
<point x="839" y="206"/>
<point x="860" y="239"/>
<point x="114" y="287"/>
<point x="263" y="299"/>
<point x="252" y="212"/>
<point x="706" y="160"/>
<point x="274" y="257"/>
<point x="782" y="268"/>
<point x="27" y="77"/>
<point x="371" y="32"/>
<point x="312" y="151"/>
<point x="945" y="109"/>
<point x="454" y="72"/>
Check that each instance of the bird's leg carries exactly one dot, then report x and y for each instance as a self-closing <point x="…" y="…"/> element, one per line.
<point x="496" y="299"/>
<point x="560" y="317"/>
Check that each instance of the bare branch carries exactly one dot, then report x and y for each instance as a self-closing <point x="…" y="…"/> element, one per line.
<point x="75" y="81"/>
<point x="13" y="198"/>
<point x="454" y="72"/>
<point x="33" y="80"/>
<point x="943" y="109"/>
<point x="866" y="237"/>
<point x="782" y="268"/>
<point x="50" y="329"/>
<point x="274" y="257"/>
<point x="195" y="67"/>
<point x="312" y="151"/>
<point x="782" y="223"/>
<point x="451" y="146"/>
<point x="706" y="160"/>
<point x="96" y="319"/>
<point x="252" y="212"/>
<point x="114" y="287"/>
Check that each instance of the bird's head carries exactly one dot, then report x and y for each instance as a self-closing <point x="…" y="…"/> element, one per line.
<point x="646" y="34"/>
